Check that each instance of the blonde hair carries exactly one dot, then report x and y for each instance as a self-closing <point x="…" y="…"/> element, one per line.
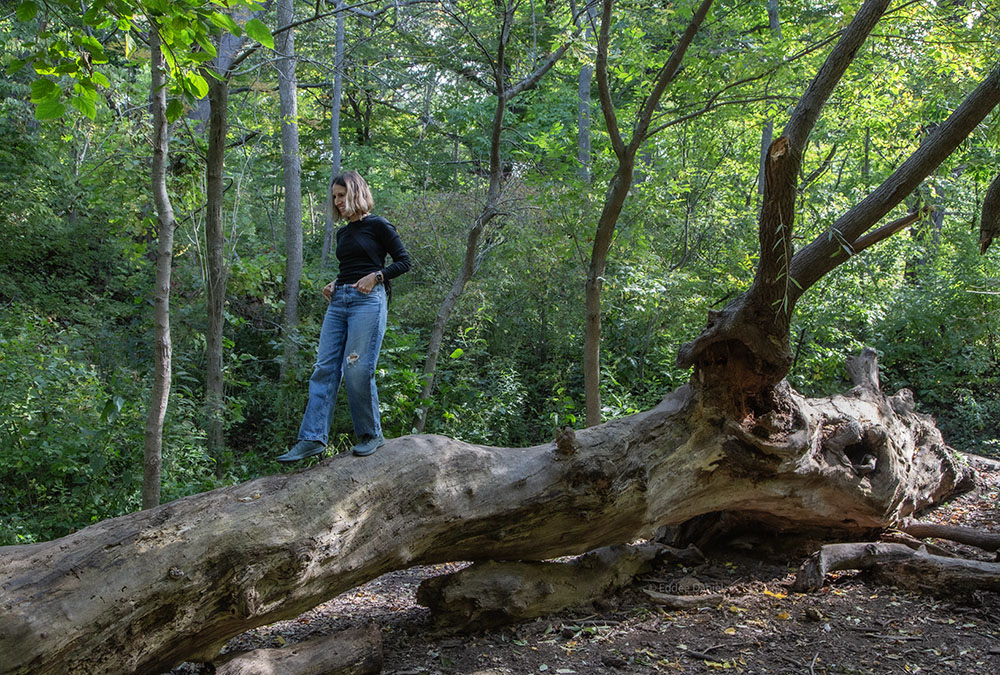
<point x="358" y="200"/>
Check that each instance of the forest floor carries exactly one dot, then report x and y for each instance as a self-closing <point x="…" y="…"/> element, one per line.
<point x="849" y="626"/>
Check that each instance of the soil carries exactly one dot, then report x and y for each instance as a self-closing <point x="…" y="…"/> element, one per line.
<point x="849" y="626"/>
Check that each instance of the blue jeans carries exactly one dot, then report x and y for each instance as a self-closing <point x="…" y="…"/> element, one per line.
<point x="349" y="344"/>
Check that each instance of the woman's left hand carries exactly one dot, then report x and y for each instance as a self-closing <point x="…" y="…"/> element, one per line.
<point x="366" y="283"/>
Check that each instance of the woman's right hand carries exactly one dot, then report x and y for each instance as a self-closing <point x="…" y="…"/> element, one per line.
<point x="328" y="290"/>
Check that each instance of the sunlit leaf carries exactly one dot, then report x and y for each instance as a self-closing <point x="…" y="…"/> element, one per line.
<point x="256" y="29"/>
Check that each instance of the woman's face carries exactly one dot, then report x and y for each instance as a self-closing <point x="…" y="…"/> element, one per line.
<point x="340" y="200"/>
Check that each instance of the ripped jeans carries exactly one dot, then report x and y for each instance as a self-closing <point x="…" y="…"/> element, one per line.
<point x="349" y="344"/>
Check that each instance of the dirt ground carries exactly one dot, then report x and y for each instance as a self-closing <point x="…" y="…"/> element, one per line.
<point x="850" y="626"/>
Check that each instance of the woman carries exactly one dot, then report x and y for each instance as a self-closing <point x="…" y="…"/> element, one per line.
<point x="354" y="324"/>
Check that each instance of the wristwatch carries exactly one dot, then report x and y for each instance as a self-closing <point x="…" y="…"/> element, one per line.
<point x="378" y="277"/>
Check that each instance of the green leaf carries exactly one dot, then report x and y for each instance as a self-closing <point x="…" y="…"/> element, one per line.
<point x="101" y="80"/>
<point x="196" y="85"/>
<point x="43" y="89"/>
<point x="49" y="110"/>
<point x="27" y="11"/>
<point x="94" y="16"/>
<point x="85" y="105"/>
<point x="225" y="22"/>
<point x="95" y="48"/>
<point x="458" y="352"/>
<point x="207" y="45"/>
<point x="256" y="29"/>
<point x="174" y="110"/>
<point x="15" y="65"/>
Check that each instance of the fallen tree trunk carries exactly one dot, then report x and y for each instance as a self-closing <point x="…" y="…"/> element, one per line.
<point x="899" y="565"/>
<point x="355" y="651"/>
<point x="492" y="593"/>
<point x="146" y="591"/>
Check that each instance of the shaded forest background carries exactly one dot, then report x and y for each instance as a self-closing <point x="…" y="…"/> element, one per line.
<point x="78" y="234"/>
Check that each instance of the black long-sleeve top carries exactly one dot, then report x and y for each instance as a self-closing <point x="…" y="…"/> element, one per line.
<point x="355" y="261"/>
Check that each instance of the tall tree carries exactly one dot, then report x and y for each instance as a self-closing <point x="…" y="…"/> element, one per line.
<point x="336" y="96"/>
<point x="618" y="188"/>
<point x="215" y="267"/>
<point x="291" y="170"/>
<point x="160" y="396"/>
<point x="504" y="91"/>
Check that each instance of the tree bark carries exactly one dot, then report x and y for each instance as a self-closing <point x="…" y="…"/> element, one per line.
<point x="989" y="223"/>
<point x="215" y="267"/>
<point x="162" y="353"/>
<point x="767" y="135"/>
<point x="145" y="591"/>
<point x="355" y="651"/>
<point x="584" y="82"/>
<point x="292" y="176"/>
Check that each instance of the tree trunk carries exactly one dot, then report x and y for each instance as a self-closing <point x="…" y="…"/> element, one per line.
<point x="145" y="591"/>
<point x="584" y="82"/>
<point x="989" y="223"/>
<point x="767" y="134"/>
<point x="153" y="451"/>
<point x="335" y="151"/>
<point x="613" y="203"/>
<point x="215" y="277"/>
<point x="292" y="174"/>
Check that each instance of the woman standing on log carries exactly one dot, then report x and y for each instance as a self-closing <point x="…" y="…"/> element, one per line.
<point x="351" y="337"/>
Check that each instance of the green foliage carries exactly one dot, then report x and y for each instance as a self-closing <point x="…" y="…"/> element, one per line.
<point x="68" y="442"/>
<point x="76" y="222"/>
<point x="69" y="57"/>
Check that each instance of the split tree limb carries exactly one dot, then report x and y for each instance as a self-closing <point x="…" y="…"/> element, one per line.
<point x="491" y="594"/>
<point x="899" y="565"/>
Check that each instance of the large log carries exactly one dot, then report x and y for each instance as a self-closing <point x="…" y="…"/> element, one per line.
<point x="145" y="591"/>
